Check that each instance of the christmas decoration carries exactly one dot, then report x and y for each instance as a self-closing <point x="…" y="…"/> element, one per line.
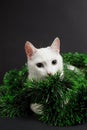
<point x="64" y="100"/>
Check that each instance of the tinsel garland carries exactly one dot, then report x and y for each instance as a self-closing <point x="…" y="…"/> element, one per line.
<point x="64" y="101"/>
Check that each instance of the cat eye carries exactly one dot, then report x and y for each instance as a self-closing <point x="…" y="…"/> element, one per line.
<point x="54" y="62"/>
<point x="39" y="65"/>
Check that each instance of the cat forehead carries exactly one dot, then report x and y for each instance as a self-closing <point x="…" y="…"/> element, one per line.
<point x="45" y="53"/>
<point x="44" y="50"/>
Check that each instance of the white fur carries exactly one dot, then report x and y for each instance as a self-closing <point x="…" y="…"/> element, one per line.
<point x="45" y="56"/>
<point x="36" y="108"/>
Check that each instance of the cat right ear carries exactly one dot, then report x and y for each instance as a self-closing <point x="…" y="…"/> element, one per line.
<point x="56" y="44"/>
<point x="29" y="49"/>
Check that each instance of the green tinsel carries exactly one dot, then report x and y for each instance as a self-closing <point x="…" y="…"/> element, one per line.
<point x="64" y="101"/>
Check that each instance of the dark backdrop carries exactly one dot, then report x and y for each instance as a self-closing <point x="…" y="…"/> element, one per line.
<point x="40" y="22"/>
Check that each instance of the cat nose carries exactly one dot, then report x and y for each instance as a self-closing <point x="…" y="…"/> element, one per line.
<point x="49" y="73"/>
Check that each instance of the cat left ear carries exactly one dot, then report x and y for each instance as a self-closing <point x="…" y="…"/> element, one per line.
<point x="29" y="49"/>
<point x="56" y="44"/>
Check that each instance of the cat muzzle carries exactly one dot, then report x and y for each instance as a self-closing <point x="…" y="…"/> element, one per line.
<point x="49" y="73"/>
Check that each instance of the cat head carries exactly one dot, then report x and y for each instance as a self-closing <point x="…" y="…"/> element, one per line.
<point x="44" y="61"/>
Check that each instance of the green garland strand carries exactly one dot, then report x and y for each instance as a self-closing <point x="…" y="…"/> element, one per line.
<point x="64" y="101"/>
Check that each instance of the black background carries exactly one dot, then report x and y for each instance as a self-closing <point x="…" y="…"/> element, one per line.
<point x="40" y="22"/>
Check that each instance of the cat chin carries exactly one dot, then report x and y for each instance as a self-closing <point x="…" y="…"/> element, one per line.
<point x="43" y="77"/>
<point x="31" y="77"/>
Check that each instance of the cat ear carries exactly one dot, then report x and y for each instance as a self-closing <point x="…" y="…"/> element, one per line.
<point x="56" y="44"/>
<point x="29" y="49"/>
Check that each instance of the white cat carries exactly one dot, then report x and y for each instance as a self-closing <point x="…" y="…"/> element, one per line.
<point x="43" y="62"/>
